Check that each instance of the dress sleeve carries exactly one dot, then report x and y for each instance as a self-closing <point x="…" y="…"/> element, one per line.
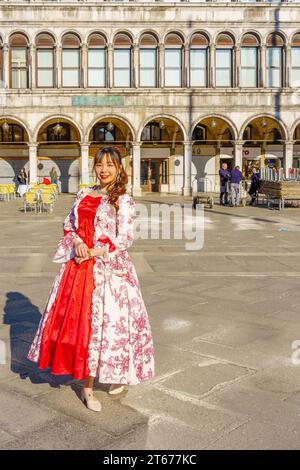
<point x="65" y="248"/>
<point x="125" y="224"/>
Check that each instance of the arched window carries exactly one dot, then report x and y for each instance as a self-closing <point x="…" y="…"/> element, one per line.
<point x="45" y="60"/>
<point x="275" y="60"/>
<point x="19" y="63"/>
<point x="13" y="133"/>
<point x="199" y="132"/>
<point x="148" y="60"/>
<point x="248" y="133"/>
<point x="151" y="132"/>
<point x="96" y="61"/>
<point x="295" y="61"/>
<point x="173" y="60"/>
<point x="122" y="60"/>
<point x="198" y="60"/>
<point x="249" y="61"/>
<point x="59" y="132"/>
<point x="71" y="60"/>
<point x="102" y="134"/>
<point x="224" y="60"/>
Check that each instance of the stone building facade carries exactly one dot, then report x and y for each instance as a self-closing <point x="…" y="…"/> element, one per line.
<point x="177" y="87"/>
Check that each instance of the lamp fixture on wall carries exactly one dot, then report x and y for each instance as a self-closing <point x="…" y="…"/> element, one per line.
<point x="263" y="123"/>
<point x="110" y="127"/>
<point x="57" y="129"/>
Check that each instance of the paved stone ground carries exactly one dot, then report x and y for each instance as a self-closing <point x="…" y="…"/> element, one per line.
<point x="223" y="319"/>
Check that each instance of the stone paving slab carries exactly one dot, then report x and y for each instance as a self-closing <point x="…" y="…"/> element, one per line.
<point x="114" y="419"/>
<point x="62" y="434"/>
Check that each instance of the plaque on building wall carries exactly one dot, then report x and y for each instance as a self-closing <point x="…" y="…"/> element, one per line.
<point x="97" y="100"/>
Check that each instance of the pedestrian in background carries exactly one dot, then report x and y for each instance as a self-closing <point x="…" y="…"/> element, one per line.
<point x="236" y="178"/>
<point x="224" y="182"/>
<point x="254" y="186"/>
<point x="53" y="175"/>
<point x="22" y="182"/>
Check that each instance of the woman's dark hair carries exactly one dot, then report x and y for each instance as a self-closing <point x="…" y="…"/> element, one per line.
<point x="118" y="186"/>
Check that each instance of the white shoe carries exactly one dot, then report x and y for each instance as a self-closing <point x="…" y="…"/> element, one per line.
<point x="91" y="403"/>
<point x="116" y="390"/>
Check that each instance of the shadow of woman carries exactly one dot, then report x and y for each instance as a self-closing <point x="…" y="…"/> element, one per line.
<point x="23" y="318"/>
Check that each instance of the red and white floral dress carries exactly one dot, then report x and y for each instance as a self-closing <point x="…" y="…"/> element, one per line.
<point x="95" y="322"/>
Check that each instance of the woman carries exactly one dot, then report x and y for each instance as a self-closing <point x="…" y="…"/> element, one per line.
<point x="22" y="182"/>
<point x="95" y="323"/>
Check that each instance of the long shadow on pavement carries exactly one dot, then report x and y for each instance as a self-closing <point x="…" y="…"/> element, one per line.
<point x="23" y="317"/>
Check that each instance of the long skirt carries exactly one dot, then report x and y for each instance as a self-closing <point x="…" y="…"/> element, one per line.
<point x="95" y="324"/>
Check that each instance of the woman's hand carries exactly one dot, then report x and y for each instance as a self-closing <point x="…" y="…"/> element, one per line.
<point x="79" y="260"/>
<point x="91" y="252"/>
<point x="81" y="250"/>
<point x="97" y="251"/>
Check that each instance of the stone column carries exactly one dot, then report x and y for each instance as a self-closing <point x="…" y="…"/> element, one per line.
<point x="136" y="153"/>
<point x="135" y="65"/>
<point x="58" y="59"/>
<point x="288" y="67"/>
<point x="263" y="71"/>
<point x="288" y="154"/>
<point x="186" y="82"/>
<point x="161" y="64"/>
<point x="32" y="66"/>
<point x="237" y="68"/>
<point x="84" y="163"/>
<point x="110" y="66"/>
<point x="187" y="178"/>
<point x="84" y="66"/>
<point x="238" y="153"/>
<point x="6" y="83"/>
<point x="32" y="147"/>
<point x="212" y="63"/>
<point x="217" y="165"/>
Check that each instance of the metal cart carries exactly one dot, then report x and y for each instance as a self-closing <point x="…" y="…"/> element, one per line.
<point x="205" y="195"/>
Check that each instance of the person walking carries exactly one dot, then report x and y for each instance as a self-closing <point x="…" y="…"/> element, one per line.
<point x="254" y="186"/>
<point x="95" y="323"/>
<point x="224" y="182"/>
<point x="236" y="178"/>
<point x="53" y="175"/>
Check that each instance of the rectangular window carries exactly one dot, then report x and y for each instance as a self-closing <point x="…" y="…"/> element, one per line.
<point x="274" y="67"/>
<point x="198" y="67"/>
<point x="19" y="69"/>
<point x="224" y="67"/>
<point x="70" y="67"/>
<point x="148" y="67"/>
<point x="122" y="68"/>
<point x="295" y="63"/>
<point x="45" y="67"/>
<point x="173" y="62"/>
<point x="96" y="67"/>
<point x="248" y="71"/>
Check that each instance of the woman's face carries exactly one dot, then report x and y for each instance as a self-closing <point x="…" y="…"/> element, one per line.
<point x="105" y="171"/>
